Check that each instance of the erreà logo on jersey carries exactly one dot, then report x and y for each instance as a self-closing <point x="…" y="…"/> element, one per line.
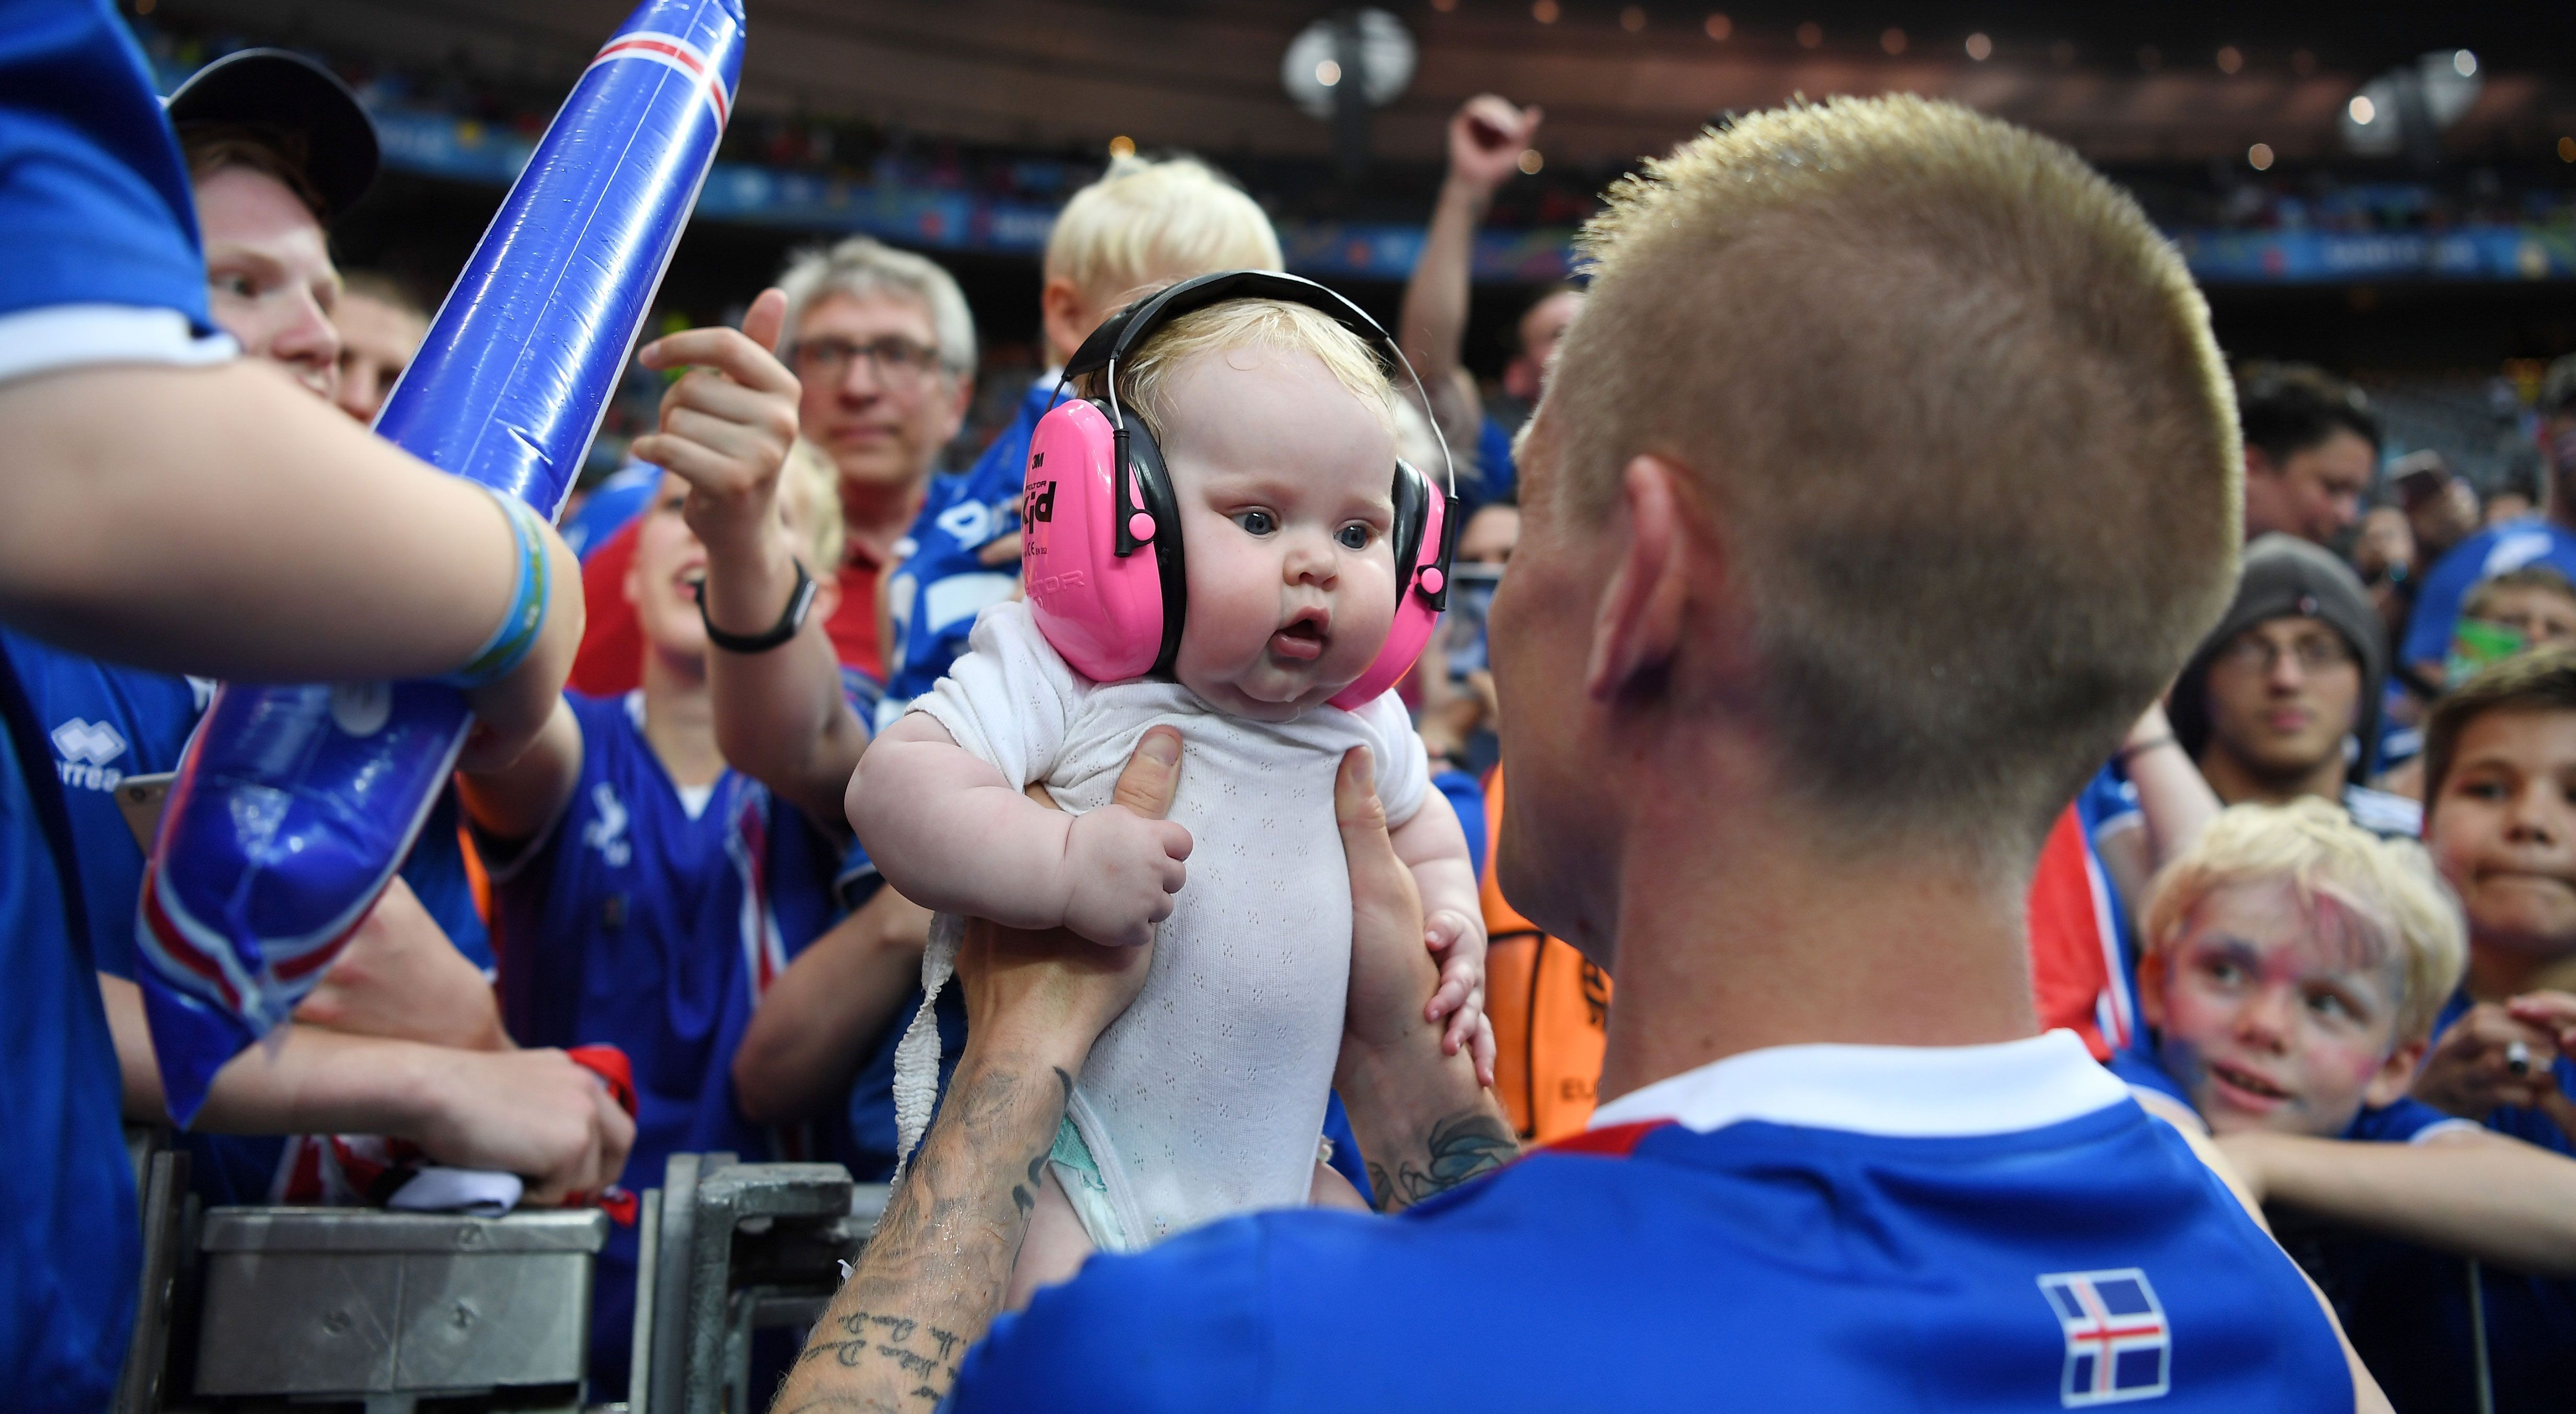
<point x="85" y="748"/>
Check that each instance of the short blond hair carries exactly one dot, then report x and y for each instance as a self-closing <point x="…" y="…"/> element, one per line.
<point x="1145" y="379"/>
<point x="1149" y="222"/>
<point x="1957" y="406"/>
<point x="809" y="496"/>
<point x="2385" y="894"/>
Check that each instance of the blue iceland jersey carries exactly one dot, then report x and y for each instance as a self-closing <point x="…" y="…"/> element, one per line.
<point x="103" y="264"/>
<point x="1810" y="1227"/>
<point x="94" y="202"/>
<point x="650" y="919"/>
<point x="67" y="1201"/>
<point x="939" y="586"/>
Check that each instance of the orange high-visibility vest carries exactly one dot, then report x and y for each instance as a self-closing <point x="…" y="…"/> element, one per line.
<point x="1550" y="1008"/>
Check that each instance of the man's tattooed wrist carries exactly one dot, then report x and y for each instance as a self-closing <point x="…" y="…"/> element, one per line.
<point x="1459" y="1148"/>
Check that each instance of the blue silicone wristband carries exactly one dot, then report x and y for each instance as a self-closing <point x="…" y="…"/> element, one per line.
<point x="525" y="622"/>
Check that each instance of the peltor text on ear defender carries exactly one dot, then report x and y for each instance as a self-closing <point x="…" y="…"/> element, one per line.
<point x="1114" y="610"/>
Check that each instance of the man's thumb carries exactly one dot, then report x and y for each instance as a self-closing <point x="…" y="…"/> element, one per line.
<point x="767" y="319"/>
<point x="1152" y="774"/>
<point x="1360" y="814"/>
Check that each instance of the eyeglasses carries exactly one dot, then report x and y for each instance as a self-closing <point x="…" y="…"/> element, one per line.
<point x="2315" y="653"/>
<point x="892" y="361"/>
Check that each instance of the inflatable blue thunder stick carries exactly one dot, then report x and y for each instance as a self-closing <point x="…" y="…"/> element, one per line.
<point x="295" y="805"/>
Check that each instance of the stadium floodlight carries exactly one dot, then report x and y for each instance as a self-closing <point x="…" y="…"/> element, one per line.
<point x="1342" y="66"/>
<point x="1320" y="59"/>
<point x="2407" y="109"/>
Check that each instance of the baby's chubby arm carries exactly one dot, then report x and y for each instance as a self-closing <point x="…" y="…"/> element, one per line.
<point x="1434" y="848"/>
<point x="952" y="834"/>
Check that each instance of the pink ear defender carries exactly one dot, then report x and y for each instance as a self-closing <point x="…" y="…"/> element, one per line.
<point x="1097" y="495"/>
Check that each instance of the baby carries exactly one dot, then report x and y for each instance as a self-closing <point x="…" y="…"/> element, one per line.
<point x="1206" y="1098"/>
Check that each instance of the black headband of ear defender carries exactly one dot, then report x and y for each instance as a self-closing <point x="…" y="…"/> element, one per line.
<point x="1129" y="328"/>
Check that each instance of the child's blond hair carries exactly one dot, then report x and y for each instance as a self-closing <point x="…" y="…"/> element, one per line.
<point x="809" y="496"/>
<point x="1149" y="222"/>
<point x="2391" y="903"/>
<point x="1144" y="380"/>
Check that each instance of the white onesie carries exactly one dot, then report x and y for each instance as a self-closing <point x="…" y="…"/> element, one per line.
<point x="1206" y="1098"/>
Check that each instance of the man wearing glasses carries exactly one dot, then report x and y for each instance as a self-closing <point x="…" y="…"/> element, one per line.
<point x="884" y="348"/>
<point x="2282" y="698"/>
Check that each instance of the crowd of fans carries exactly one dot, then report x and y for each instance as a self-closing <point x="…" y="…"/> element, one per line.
<point x="2320" y="905"/>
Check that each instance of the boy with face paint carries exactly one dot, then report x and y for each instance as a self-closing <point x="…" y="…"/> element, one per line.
<point x="2295" y="964"/>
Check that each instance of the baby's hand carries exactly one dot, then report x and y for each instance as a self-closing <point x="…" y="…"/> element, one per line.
<point x="1458" y="941"/>
<point x="1123" y="870"/>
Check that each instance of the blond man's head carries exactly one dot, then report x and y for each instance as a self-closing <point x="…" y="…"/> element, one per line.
<point x="1955" y="410"/>
<point x="1145" y="224"/>
<point x="1148" y="223"/>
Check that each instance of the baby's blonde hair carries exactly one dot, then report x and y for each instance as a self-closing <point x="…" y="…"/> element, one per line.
<point x="1146" y="222"/>
<point x="2386" y="892"/>
<point x="1144" y="380"/>
<point x="809" y="496"/>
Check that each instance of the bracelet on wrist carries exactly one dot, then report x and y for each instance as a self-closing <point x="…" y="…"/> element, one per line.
<point x="531" y="595"/>
<point x="2125" y="754"/>
<point x="800" y="602"/>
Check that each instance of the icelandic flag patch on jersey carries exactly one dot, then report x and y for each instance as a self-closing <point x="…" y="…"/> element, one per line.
<point x="2118" y="1346"/>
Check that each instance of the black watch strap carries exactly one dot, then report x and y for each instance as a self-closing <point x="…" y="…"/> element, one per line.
<point x="799" y="604"/>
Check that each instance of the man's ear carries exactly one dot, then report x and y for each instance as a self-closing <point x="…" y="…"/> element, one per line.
<point x="1638" y="626"/>
<point x="2259" y="462"/>
<point x="2396" y="1075"/>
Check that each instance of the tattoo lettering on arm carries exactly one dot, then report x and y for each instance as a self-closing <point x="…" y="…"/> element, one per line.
<point x="930" y="1281"/>
<point x="1459" y="1148"/>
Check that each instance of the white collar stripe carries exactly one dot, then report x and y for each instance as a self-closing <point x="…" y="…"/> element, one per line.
<point x="1904" y="1092"/>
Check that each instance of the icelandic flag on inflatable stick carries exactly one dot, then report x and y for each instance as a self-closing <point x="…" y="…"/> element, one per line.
<point x="295" y="805"/>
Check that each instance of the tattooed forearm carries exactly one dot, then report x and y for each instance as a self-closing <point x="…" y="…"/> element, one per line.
<point x="1458" y="1148"/>
<point x="932" y="1278"/>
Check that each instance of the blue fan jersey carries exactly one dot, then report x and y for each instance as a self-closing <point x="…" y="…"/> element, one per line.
<point x="939" y="586"/>
<point x="103" y="264"/>
<point x="1809" y="1227"/>
<point x="649" y="920"/>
